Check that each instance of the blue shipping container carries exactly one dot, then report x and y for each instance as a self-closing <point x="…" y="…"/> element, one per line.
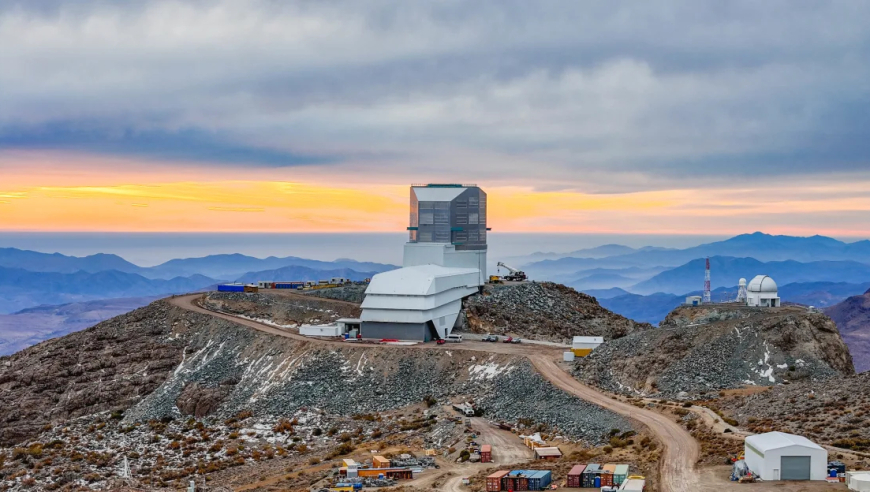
<point x="231" y="288"/>
<point x="539" y="480"/>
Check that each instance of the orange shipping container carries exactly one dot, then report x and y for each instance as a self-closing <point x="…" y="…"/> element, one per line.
<point x="607" y="472"/>
<point x="493" y="482"/>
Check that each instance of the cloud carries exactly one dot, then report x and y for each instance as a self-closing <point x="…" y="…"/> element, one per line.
<point x="595" y="96"/>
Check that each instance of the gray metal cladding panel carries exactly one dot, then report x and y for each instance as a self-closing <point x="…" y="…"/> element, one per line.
<point x="795" y="468"/>
<point x="400" y="331"/>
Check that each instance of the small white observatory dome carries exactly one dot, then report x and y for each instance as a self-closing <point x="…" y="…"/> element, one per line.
<point x="742" y="282"/>
<point x="762" y="283"/>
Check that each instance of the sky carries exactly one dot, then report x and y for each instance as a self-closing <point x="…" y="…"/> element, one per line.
<point x="668" y="117"/>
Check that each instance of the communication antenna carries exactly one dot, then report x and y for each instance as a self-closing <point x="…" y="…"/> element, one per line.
<point x="707" y="283"/>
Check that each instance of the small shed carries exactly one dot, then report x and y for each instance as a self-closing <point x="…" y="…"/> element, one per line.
<point x="781" y="456"/>
<point x="583" y="346"/>
<point x="380" y="462"/>
<point x="548" y="453"/>
<point x="320" y="330"/>
<point x="693" y="300"/>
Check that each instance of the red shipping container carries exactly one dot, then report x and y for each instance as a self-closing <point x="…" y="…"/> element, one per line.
<point x="486" y="453"/>
<point x="493" y="482"/>
<point x="575" y="478"/>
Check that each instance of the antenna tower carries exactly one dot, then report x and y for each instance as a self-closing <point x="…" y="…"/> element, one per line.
<point x="707" y="283"/>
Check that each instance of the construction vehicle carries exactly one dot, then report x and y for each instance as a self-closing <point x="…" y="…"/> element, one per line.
<point x="465" y="408"/>
<point x="494" y="279"/>
<point x="514" y="275"/>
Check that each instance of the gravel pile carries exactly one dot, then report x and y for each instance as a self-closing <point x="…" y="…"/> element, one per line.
<point x="733" y="350"/>
<point x="525" y="394"/>
<point x="544" y="311"/>
<point x="234" y="369"/>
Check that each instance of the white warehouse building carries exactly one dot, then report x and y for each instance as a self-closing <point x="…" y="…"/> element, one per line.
<point x="762" y="292"/>
<point x="416" y="303"/>
<point x="781" y="456"/>
<point x="444" y="262"/>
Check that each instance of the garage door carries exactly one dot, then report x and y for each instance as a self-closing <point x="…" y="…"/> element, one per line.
<point x="795" y="468"/>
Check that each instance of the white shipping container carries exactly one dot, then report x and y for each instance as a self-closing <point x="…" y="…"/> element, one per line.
<point x="568" y="356"/>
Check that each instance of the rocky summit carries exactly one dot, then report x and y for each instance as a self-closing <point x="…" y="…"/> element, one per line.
<point x="544" y="311"/>
<point x="701" y="349"/>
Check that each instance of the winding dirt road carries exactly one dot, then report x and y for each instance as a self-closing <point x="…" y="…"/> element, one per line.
<point x="681" y="451"/>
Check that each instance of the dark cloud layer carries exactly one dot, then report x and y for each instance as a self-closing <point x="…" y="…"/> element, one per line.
<point x="592" y="95"/>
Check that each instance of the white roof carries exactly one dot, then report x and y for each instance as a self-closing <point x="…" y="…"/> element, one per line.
<point x="347" y="320"/>
<point x="777" y="440"/>
<point x="437" y="194"/>
<point x="762" y="283"/>
<point x="598" y="340"/>
<point x="415" y="280"/>
<point x="550" y="451"/>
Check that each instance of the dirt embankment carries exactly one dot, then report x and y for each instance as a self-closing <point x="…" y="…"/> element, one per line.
<point x="544" y="311"/>
<point x="699" y="351"/>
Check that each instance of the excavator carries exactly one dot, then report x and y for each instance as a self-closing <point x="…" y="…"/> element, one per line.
<point x="515" y="275"/>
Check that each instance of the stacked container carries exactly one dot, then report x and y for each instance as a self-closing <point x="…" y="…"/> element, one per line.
<point x="620" y="474"/>
<point x="592" y="470"/>
<point x="607" y="472"/>
<point x="486" y="453"/>
<point x="539" y="480"/>
<point x="575" y="476"/>
<point x="231" y="288"/>
<point x="494" y="481"/>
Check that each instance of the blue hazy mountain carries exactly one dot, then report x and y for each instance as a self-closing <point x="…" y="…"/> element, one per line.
<point x="233" y="266"/>
<point x="303" y="273"/>
<point x="726" y="271"/>
<point x="763" y="247"/>
<point x="21" y="289"/>
<point x="58" y="263"/>
<point x="605" y="293"/>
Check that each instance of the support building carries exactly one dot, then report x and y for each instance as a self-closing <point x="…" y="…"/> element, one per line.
<point x="444" y="262"/>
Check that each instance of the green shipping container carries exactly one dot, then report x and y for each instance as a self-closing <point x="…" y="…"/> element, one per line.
<point x="620" y="474"/>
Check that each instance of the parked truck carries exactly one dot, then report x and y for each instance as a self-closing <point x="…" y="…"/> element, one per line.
<point x="464" y="408"/>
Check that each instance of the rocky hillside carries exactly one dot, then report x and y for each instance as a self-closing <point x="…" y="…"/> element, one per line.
<point x="281" y="308"/>
<point x="835" y="413"/>
<point x="853" y="319"/>
<point x="544" y="311"/>
<point x="166" y="387"/>
<point x="700" y="350"/>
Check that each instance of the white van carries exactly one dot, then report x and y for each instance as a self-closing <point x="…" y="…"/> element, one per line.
<point x="454" y="338"/>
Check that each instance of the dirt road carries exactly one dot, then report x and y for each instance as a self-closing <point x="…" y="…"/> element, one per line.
<point x="680" y="452"/>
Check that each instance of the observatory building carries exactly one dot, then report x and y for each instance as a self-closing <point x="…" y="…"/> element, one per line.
<point x="444" y="262"/>
<point x="762" y="292"/>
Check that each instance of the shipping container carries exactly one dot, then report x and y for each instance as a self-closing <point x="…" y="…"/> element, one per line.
<point x="540" y="480"/>
<point x="620" y="474"/>
<point x="633" y="485"/>
<point x="486" y="453"/>
<point x="231" y="288"/>
<point x="575" y="476"/>
<point x="493" y="482"/>
<point x="518" y="480"/>
<point x="380" y="462"/>
<point x="607" y="472"/>
<point x="592" y="470"/>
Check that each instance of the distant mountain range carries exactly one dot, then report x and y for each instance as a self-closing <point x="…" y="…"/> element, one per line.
<point x="20" y="289"/>
<point x="726" y="271"/>
<point x="853" y="320"/>
<point x="304" y="273"/>
<point x="762" y="247"/>
<point x="224" y="267"/>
